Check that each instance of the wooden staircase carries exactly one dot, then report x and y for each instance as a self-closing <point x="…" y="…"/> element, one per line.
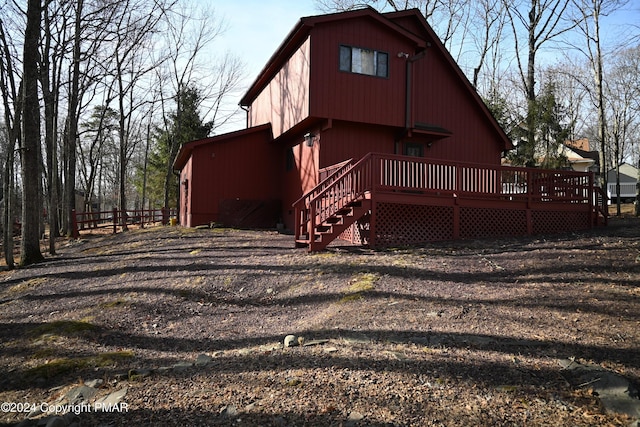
<point x="330" y="228"/>
<point x="333" y="205"/>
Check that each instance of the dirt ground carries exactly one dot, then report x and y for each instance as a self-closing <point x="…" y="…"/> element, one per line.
<point x="453" y="333"/>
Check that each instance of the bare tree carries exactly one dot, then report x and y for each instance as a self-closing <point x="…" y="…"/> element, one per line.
<point x="54" y="46"/>
<point x="135" y="23"/>
<point x="622" y="91"/>
<point x="589" y="25"/>
<point x="96" y="134"/>
<point x="490" y="16"/>
<point x="71" y="125"/>
<point x="542" y="22"/>
<point x="31" y="145"/>
<point x="184" y="44"/>
<point x="12" y="107"/>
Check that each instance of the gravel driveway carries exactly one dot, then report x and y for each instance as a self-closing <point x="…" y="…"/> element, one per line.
<point x="190" y="324"/>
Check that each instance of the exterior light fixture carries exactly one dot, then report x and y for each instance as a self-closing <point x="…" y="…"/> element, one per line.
<point x="309" y="139"/>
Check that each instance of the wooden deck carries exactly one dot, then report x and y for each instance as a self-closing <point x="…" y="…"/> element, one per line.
<point x="389" y="200"/>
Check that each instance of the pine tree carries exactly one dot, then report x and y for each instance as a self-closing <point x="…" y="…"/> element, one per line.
<point x="184" y="125"/>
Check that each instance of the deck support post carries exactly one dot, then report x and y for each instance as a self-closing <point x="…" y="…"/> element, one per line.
<point x="456" y="218"/>
<point x="529" y="222"/>
<point x="372" y="225"/>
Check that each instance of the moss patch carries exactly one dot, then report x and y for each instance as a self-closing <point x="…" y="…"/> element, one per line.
<point x="114" y="303"/>
<point x="63" y="327"/>
<point x="360" y="284"/>
<point x="67" y="365"/>
<point x="26" y="285"/>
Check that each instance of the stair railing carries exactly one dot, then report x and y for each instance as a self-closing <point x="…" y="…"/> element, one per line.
<point x="345" y="185"/>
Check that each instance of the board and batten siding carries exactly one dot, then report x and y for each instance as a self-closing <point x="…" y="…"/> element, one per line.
<point x="342" y="95"/>
<point x="237" y="166"/>
<point x="284" y="102"/>
<point x="441" y="99"/>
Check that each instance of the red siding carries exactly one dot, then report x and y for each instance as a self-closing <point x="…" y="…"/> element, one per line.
<point x="244" y="168"/>
<point x="347" y="140"/>
<point x="441" y="99"/>
<point x="185" y="193"/>
<point x="355" y="97"/>
<point x="285" y="101"/>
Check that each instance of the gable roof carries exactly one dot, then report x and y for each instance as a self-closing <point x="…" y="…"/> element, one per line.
<point x="299" y="34"/>
<point x="187" y="149"/>
<point x="435" y="42"/>
<point x="397" y="22"/>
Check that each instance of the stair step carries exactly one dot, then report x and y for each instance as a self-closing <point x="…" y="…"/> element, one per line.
<point x="333" y="226"/>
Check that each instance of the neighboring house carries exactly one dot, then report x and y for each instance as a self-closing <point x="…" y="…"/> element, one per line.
<point x="628" y="181"/>
<point x="580" y="156"/>
<point x="361" y="125"/>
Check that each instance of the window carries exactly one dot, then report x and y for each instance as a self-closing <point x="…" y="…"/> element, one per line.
<point x="413" y="149"/>
<point x="364" y="61"/>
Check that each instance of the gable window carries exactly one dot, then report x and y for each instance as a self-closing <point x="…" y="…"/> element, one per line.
<point x="364" y="61"/>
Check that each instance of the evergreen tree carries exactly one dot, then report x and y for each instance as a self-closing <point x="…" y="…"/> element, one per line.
<point x="183" y="125"/>
<point x="551" y="131"/>
<point x="547" y="116"/>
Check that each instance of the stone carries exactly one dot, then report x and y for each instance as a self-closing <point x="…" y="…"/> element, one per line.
<point x="80" y="394"/>
<point x="615" y="392"/>
<point x="95" y="383"/>
<point x="290" y="341"/>
<point x="203" y="359"/>
<point x="56" y="422"/>
<point x="353" y="418"/>
<point x="180" y="366"/>
<point x="229" y="411"/>
<point x="113" y="398"/>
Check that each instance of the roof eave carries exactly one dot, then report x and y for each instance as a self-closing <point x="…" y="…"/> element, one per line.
<point x="187" y="149"/>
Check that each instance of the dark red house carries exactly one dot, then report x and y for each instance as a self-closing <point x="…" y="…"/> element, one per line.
<point x="362" y="125"/>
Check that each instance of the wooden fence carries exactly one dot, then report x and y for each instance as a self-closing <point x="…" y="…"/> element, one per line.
<point x="85" y="221"/>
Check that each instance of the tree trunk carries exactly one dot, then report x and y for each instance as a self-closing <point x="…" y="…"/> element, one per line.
<point x="529" y="152"/>
<point x="7" y="220"/>
<point x="637" y="209"/>
<point x="48" y="95"/>
<point x="71" y="134"/>
<point x="9" y="96"/>
<point x="602" y="123"/>
<point x="30" y="156"/>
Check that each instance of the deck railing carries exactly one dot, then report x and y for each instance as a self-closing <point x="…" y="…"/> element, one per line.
<point x="401" y="173"/>
<point x="387" y="173"/>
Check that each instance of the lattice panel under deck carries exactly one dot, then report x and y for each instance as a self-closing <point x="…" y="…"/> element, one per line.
<point x="482" y="222"/>
<point x="358" y="233"/>
<point x="405" y="225"/>
<point x="549" y="222"/>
